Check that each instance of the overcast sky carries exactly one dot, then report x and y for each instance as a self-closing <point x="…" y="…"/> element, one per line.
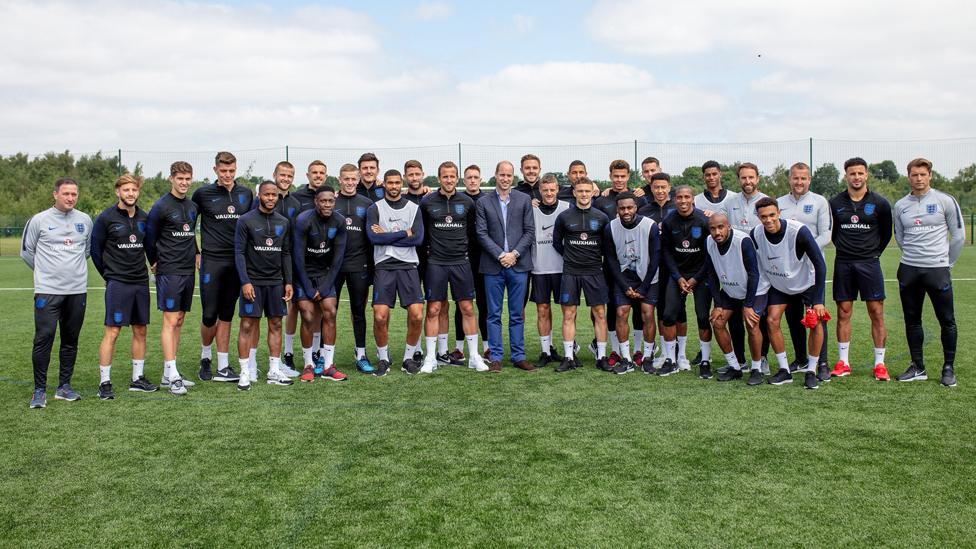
<point x="177" y="76"/>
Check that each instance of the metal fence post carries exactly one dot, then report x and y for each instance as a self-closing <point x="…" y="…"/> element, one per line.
<point x="286" y="153"/>
<point x="120" y="162"/>
<point x="460" y="163"/>
<point x="811" y="156"/>
<point x="972" y="225"/>
<point x="636" y="165"/>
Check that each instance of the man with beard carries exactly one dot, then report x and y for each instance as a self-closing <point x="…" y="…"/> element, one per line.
<point x="531" y="168"/>
<point x="369" y="169"/>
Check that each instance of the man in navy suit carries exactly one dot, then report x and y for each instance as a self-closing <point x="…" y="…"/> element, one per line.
<point x="505" y="229"/>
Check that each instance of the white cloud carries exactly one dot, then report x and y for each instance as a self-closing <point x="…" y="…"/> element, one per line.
<point x="433" y="11"/>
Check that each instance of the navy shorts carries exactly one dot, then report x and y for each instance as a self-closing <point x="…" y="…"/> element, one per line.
<point x="620" y="298"/>
<point x="862" y="278"/>
<point x="593" y="287"/>
<point x="545" y="287"/>
<point x="806" y="297"/>
<point x="174" y="293"/>
<point x="732" y="304"/>
<point x="268" y="301"/>
<point x="219" y="288"/>
<point x="389" y="283"/>
<point x="126" y="304"/>
<point x="317" y="282"/>
<point x="458" y="276"/>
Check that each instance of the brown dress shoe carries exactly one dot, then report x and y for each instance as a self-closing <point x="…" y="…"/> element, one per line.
<point x="495" y="366"/>
<point x="524" y="365"/>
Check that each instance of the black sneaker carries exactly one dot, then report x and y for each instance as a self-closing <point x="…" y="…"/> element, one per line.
<point x="797" y="366"/>
<point x="105" y="391"/>
<point x="544" y="360"/>
<point x="447" y="359"/>
<point x="647" y="366"/>
<point x="697" y="360"/>
<point x="823" y="372"/>
<point x="226" y="374"/>
<point x="382" y="367"/>
<point x="410" y="367"/>
<point x="755" y="378"/>
<point x="554" y="355"/>
<point x="723" y="369"/>
<point x="948" y="376"/>
<point x="729" y="375"/>
<point x="623" y="367"/>
<point x="289" y="360"/>
<point x="418" y="357"/>
<point x="668" y="368"/>
<point x="781" y="377"/>
<point x="143" y="385"/>
<point x="705" y="369"/>
<point x="205" y="374"/>
<point x="913" y="373"/>
<point x="603" y="365"/>
<point x="566" y="365"/>
<point x="810" y="381"/>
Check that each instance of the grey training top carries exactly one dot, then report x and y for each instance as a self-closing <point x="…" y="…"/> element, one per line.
<point x="812" y="210"/>
<point x="56" y="245"/>
<point x="929" y="229"/>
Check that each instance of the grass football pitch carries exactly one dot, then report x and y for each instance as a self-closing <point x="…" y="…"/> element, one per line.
<point x="516" y="459"/>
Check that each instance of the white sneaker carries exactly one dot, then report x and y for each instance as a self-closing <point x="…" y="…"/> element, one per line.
<point x="683" y="364"/>
<point x="288" y="371"/>
<point x="253" y="373"/>
<point x="430" y="364"/>
<point x="278" y="377"/>
<point x="177" y="387"/>
<point x="477" y="364"/>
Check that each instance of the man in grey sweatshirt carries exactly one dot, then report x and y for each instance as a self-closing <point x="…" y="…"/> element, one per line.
<point x="56" y="246"/>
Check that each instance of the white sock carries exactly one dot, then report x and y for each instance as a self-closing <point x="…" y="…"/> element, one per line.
<point x="316" y="340"/>
<point x="383" y="353"/>
<point x="843" y="351"/>
<point x="625" y="349"/>
<point x="706" y="349"/>
<point x="459" y="345"/>
<point x="757" y="365"/>
<point x="442" y="344"/>
<point x="105" y="372"/>
<point x="682" y="345"/>
<point x="472" y="341"/>
<point x="137" y="369"/>
<point x="812" y="363"/>
<point x="245" y="365"/>
<point x="568" y="349"/>
<point x="205" y="352"/>
<point x="223" y="360"/>
<point x="614" y="342"/>
<point x="669" y="350"/>
<point x="879" y="353"/>
<point x="328" y="353"/>
<point x="409" y="350"/>
<point x="289" y="344"/>
<point x="274" y="364"/>
<point x="252" y="359"/>
<point x="546" y="343"/>
<point x="731" y="360"/>
<point x="601" y="349"/>
<point x="782" y="361"/>
<point x="307" y="356"/>
<point x="360" y="353"/>
<point x="169" y="370"/>
<point x="649" y="349"/>
<point x="432" y="345"/>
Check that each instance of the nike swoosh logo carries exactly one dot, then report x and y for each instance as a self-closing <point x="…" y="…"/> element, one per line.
<point x="51" y="228"/>
<point x="772" y="258"/>
<point x="544" y="228"/>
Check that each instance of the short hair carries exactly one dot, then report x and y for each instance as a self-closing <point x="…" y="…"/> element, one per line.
<point x="317" y="163"/>
<point x="266" y="182"/>
<point x="549" y="178"/>
<point x="445" y="165"/>
<point x="619" y="165"/>
<point x="180" y="167"/>
<point x="129" y="179"/>
<point x="412" y="164"/>
<point x="576" y="163"/>
<point x="499" y="165"/>
<point x="346" y="168"/>
<point x="473" y="167"/>
<point x="684" y="187"/>
<point x="659" y="176"/>
<point x="856" y="161"/>
<point x="64" y="181"/>
<point x="747" y="165"/>
<point x="920" y="163"/>
<point x="284" y="164"/>
<point x="584" y="181"/>
<point x="224" y="157"/>
<point x="766" y="202"/>
<point x="368" y="157"/>
<point x="529" y="157"/>
<point x="625" y="195"/>
<point x="711" y="164"/>
<point x="650" y="160"/>
<point x="324" y="189"/>
<point x="799" y="166"/>
<point x="391" y="173"/>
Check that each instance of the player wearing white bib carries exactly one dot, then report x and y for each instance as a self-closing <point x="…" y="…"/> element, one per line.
<point x="714" y="198"/>
<point x="547" y="265"/>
